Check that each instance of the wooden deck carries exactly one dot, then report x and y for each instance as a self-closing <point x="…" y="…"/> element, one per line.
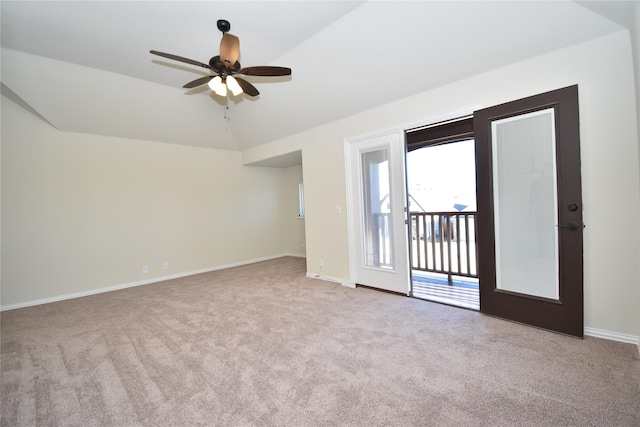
<point x="460" y="293"/>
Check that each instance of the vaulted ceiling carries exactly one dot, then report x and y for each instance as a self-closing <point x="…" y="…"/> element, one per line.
<point x="85" y="66"/>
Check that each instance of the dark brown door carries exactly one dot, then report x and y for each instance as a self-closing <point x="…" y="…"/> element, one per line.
<point x="530" y="211"/>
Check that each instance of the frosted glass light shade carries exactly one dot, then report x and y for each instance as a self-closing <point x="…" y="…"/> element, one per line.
<point x="221" y="90"/>
<point x="233" y="86"/>
<point x="218" y="86"/>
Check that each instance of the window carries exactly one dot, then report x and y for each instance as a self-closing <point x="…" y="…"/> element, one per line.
<point x="300" y="200"/>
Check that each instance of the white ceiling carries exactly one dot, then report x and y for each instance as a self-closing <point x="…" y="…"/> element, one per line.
<point x="85" y="66"/>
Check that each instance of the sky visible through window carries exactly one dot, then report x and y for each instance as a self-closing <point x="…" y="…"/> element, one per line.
<point x="442" y="178"/>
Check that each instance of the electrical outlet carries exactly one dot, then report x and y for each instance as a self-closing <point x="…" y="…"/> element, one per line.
<point x="165" y="265"/>
<point x="145" y="269"/>
<point x="321" y="263"/>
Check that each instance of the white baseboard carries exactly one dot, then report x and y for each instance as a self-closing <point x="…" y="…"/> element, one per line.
<point x="614" y="336"/>
<point x="343" y="282"/>
<point x="296" y="255"/>
<point x="137" y="283"/>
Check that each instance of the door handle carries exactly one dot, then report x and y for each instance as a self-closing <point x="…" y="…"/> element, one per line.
<point x="571" y="226"/>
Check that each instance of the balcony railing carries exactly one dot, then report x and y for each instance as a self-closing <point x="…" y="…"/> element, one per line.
<point x="441" y="242"/>
<point x="379" y="253"/>
<point x="445" y="243"/>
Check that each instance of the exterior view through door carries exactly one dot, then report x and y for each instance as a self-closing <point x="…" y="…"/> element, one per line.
<point x="441" y="182"/>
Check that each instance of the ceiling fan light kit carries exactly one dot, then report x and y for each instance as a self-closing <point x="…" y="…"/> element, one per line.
<point x="226" y="65"/>
<point x="233" y="86"/>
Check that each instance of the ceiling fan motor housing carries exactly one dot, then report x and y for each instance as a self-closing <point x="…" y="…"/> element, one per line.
<point x="217" y="65"/>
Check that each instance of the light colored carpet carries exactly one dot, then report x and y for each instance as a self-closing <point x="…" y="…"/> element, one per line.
<point x="264" y="345"/>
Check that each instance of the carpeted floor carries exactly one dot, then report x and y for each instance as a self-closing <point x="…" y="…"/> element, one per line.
<point x="264" y="345"/>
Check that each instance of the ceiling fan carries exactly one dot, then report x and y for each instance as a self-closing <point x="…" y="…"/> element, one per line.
<point x="226" y="67"/>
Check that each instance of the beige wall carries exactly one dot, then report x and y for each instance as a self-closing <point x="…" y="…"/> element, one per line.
<point x="84" y="212"/>
<point x="603" y="69"/>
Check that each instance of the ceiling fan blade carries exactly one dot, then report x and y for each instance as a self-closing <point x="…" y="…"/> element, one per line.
<point x="266" y="71"/>
<point x="229" y="49"/>
<point x="198" y="82"/>
<point x="247" y="87"/>
<point x="181" y="59"/>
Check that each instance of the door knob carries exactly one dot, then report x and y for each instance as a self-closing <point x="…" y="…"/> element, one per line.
<point x="572" y="207"/>
<point x="571" y="226"/>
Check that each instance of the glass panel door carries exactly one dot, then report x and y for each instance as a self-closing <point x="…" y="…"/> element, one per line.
<point x="378" y="234"/>
<point x="530" y="242"/>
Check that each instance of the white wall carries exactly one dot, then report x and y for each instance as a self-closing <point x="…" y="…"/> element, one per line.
<point x="603" y="69"/>
<point x="83" y="212"/>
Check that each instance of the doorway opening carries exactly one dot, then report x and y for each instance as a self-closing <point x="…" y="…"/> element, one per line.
<point x="441" y="184"/>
